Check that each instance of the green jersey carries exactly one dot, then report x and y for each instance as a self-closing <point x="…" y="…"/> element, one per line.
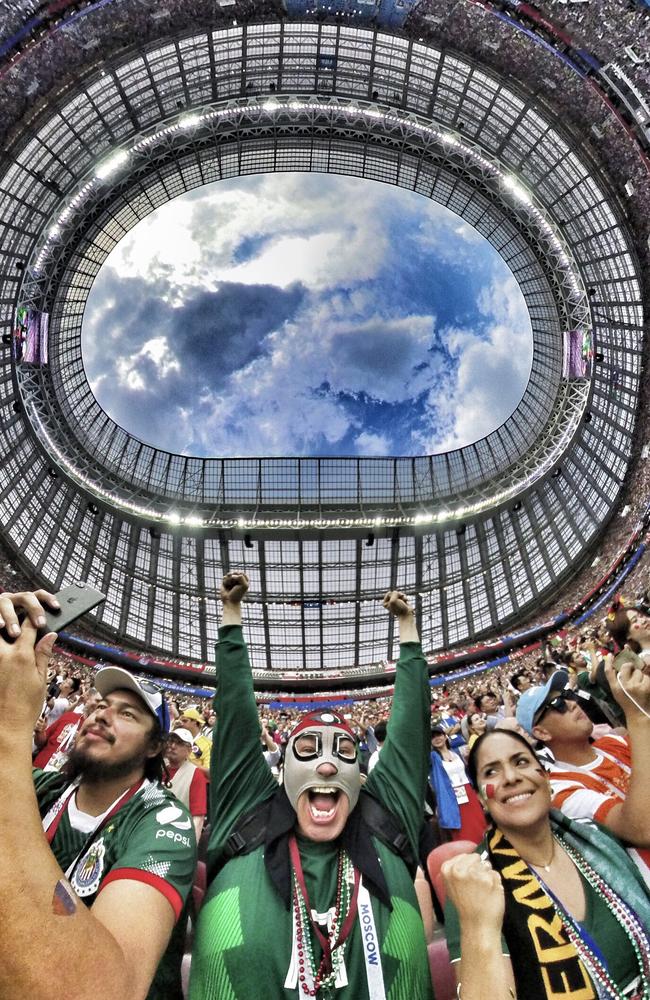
<point x="244" y="938"/>
<point x="600" y="923"/>
<point x="150" y="838"/>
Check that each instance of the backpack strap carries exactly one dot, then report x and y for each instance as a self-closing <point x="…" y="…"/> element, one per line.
<point x="249" y="831"/>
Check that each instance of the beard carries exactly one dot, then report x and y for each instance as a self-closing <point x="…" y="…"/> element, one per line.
<point x="81" y="765"/>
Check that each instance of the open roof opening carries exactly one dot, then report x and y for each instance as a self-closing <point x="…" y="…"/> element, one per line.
<point x="306" y="314"/>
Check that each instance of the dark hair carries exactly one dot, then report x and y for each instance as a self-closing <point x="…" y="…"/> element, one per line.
<point x="477" y="744"/>
<point x="478" y="701"/>
<point x="514" y="680"/>
<point x="76" y="684"/>
<point x="619" y="626"/>
<point x="155" y="768"/>
<point x="380" y="731"/>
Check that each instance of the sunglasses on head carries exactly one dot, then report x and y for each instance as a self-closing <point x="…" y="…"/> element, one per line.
<point x="557" y="704"/>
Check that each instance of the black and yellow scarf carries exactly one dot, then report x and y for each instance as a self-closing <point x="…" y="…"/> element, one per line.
<point x="546" y="962"/>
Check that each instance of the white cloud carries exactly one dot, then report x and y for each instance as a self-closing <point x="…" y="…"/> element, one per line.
<point x="157" y="351"/>
<point x="372" y="444"/>
<point x="491" y="373"/>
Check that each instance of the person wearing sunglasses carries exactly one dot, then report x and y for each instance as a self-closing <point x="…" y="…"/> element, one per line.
<point x="311" y="884"/>
<point x="98" y="859"/>
<point x="604" y="779"/>
<point x="547" y="907"/>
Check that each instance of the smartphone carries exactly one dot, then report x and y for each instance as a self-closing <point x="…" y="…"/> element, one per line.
<point x="628" y="656"/>
<point x="75" y="601"/>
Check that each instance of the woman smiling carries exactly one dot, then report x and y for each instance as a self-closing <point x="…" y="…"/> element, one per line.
<point x="549" y="908"/>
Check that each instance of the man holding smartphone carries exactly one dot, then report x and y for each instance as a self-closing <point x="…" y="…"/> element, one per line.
<point x="97" y="860"/>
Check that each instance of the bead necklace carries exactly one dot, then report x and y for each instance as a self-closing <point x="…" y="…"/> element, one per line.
<point x="628" y="921"/>
<point x="321" y="982"/>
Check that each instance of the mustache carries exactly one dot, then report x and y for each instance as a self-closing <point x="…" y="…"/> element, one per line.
<point x="101" y="729"/>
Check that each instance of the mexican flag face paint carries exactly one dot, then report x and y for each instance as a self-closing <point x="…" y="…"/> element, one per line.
<point x="487" y="791"/>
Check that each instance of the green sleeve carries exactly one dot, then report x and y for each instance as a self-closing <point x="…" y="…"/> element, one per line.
<point x="452" y="931"/>
<point x="399" y="777"/>
<point x="239" y="775"/>
<point x="160" y="842"/>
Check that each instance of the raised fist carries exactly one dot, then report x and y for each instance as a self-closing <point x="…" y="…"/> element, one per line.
<point x="233" y="588"/>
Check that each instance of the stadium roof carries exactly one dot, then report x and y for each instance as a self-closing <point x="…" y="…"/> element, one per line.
<point x="484" y="535"/>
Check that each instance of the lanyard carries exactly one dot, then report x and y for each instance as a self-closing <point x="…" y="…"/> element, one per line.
<point x="349" y="918"/>
<point x="53" y="817"/>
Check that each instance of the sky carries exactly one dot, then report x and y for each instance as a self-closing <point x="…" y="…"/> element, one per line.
<point x="297" y="314"/>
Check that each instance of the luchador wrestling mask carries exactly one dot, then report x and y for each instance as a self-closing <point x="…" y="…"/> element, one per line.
<point x="322" y="738"/>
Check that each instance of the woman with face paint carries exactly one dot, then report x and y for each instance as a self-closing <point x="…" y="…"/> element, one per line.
<point x="311" y="888"/>
<point x="546" y="908"/>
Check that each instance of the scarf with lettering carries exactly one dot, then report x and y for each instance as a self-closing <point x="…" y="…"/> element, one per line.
<point x="546" y="962"/>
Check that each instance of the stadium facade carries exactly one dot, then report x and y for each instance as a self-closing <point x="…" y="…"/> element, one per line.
<point x="484" y="536"/>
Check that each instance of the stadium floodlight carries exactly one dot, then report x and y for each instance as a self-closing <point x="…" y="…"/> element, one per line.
<point x="174" y="518"/>
<point x="189" y="121"/>
<point x="517" y="189"/>
<point x="111" y="164"/>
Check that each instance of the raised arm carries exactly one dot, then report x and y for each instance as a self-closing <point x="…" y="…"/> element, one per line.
<point x="473" y="922"/>
<point x="630" y="820"/>
<point x="399" y="778"/>
<point x="239" y="775"/>
<point x="111" y="950"/>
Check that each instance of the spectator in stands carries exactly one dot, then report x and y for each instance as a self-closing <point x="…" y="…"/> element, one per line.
<point x="192" y="720"/>
<point x="473" y="726"/>
<point x="272" y="752"/>
<point x="309" y="880"/>
<point x="471" y="820"/>
<point x="188" y="782"/>
<point x="551" y="908"/>
<point x="380" y="731"/>
<point x="605" y="780"/>
<point x="55" y="742"/>
<point x="64" y="701"/>
<point x="106" y="884"/>
<point x="521" y="681"/>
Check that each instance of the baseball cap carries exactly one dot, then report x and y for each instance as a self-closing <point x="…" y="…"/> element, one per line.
<point x="110" y="679"/>
<point x="191" y="713"/>
<point x="184" y="735"/>
<point x="535" y="698"/>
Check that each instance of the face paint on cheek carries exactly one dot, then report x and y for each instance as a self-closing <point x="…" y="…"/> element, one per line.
<point x="488" y="791"/>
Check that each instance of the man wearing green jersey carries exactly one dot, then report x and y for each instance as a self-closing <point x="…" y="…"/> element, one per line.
<point x="311" y="893"/>
<point x="96" y="861"/>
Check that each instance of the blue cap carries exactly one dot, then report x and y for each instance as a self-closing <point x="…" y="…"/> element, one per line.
<point x="535" y="698"/>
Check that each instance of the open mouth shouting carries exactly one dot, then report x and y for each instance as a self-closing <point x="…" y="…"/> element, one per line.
<point x="323" y="801"/>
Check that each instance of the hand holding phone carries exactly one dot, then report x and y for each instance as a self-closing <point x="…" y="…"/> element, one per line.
<point x="48" y="612"/>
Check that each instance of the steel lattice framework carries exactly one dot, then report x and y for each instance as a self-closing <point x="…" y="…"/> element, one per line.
<point x="480" y="535"/>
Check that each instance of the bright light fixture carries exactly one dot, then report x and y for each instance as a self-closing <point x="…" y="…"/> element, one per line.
<point x="111" y="164"/>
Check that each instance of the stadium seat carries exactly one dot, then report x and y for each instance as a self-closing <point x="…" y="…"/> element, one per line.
<point x="441" y="969"/>
<point x="436" y="859"/>
<point x="423" y="893"/>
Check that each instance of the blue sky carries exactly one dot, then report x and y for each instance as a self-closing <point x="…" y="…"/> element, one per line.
<point x="306" y="314"/>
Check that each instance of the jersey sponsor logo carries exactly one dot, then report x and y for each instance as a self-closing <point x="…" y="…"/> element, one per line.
<point x="176" y="838"/>
<point x="173" y="816"/>
<point x="90" y="869"/>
